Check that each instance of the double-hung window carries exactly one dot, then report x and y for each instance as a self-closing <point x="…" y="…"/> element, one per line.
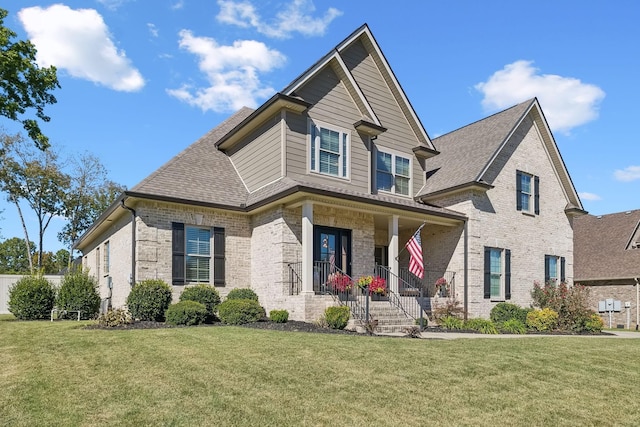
<point x="527" y="193"/>
<point x="393" y="173"/>
<point x="329" y="151"/>
<point x="107" y="257"/>
<point x="198" y="254"/>
<point x="497" y="273"/>
<point x="554" y="269"/>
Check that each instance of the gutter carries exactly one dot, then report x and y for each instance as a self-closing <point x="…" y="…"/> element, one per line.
<point x="132" y="275"/>
<point x="466" y="269"/>
<point x="637" y="301"/>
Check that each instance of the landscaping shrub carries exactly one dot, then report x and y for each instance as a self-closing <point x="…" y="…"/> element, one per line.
<point x="113" y="318"/>
<point x="504" y="311"/>
<point x="513" y="326"/>
<point x="204" y="294"/>
<point x="149" y="300"/>
<point x="242" y="293"/>
<point x="451" y="322"/>
<point x="240" y="311"/>
<point x="483" y="326"/>
<point x="337" y="317"/>
<point x="451" y="308"/>
<point x="31" y="298"/>
<point x="542" y="320"/>
<point x="186" y="313"/>
<point x="570" y="302"/>
<point x="279" y="316"/>
<point x="79" y="291"/>
<point x="594" y="324"/>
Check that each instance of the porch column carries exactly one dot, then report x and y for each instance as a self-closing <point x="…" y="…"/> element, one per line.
<point x="307" y="248"/>
<point x="393" y="245"/>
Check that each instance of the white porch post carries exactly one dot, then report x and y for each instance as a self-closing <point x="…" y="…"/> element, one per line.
<point x="307" y="248"/>
<point x="393" y="245"/>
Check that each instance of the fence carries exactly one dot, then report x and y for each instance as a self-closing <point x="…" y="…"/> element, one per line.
<point x="8" y="280"/>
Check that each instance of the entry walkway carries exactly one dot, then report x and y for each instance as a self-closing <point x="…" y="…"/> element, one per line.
<point x="465" y="335"/>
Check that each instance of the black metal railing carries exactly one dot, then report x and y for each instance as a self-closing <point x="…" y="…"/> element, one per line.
<point x="295" y="278"/>
<point x="434" y="283"/>
<point x="412" y="303"/>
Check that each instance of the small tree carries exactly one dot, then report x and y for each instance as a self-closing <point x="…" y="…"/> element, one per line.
<point x="13" y="259"/>
<point x="79" y="291"/>
<point x="32" y="298"/>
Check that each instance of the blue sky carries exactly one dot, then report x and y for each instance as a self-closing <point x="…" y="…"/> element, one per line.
<point x="141" y="80"/>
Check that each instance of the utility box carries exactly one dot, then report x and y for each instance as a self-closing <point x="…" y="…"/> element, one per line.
<point x="617" y="306"/>
<point x="627" y="304"/>
<point x="602" y="306"/>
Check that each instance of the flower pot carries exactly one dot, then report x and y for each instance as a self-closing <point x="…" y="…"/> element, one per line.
<point x="345" y="296"/>
<point x="379" y="297"/>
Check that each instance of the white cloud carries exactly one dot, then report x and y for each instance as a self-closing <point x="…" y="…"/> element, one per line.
<point x="153" y="30"/>
<point x="178" y="5"/>
<point x="232" y="73"/>
<point x="567" y="102"/>
<point x="112" y="4"/>
<point x="79" y="42"/>
<point x="295" y="17"/>
<point x="630" y="173"/>
<point x="589" y="196"/>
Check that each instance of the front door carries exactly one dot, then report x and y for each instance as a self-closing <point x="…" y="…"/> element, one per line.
<point x="331" y="252"/>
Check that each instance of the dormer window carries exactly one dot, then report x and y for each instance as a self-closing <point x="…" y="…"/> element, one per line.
<point x="527" y="193"/>
<point x="393" y="173"/>
<point x="329" y="150"/>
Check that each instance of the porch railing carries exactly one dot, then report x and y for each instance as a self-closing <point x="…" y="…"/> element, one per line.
<point x="295" y="278"/>
<point x="440" y="283"/>
<point x="412" y="305"/>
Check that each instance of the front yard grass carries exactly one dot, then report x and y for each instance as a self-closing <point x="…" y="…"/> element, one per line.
<point x="61" y="374"/>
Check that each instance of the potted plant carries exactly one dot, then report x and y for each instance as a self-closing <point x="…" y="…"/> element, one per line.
<point x="442" y="287"/>
<point x="363" y="283"/>
<point x="378" y="288"/>
<point x="341" y="284"/>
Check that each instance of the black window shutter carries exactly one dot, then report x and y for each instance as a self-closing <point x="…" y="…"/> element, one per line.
<point x="536" y="194"/>
<point x="519" y="190"/>
<point x="218" y="256"/>
<point x="546" y="269"/>
<point x="177" y="249"/>
<point x="563" y="278"/>
<point x="487" y="272"/>
<point x="507" y="274"/>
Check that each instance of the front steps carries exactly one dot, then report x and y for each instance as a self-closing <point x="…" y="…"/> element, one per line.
<point x="390" y="319"/>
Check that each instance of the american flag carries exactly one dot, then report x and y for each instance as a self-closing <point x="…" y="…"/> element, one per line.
<point x="414" y="246"/>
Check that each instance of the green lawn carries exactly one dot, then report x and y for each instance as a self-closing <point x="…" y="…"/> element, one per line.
<point x="60" y="374"/>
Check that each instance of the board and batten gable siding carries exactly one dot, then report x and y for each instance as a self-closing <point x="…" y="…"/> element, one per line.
<point x="258" y="158"/>
<point x="332" y="106"/>
<point x="399" y="136"/>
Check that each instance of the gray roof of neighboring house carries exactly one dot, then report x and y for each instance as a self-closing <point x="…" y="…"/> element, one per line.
<point x="602" y="246"/>
<point x="466" y="152"/>
<point x="200" y="172"/>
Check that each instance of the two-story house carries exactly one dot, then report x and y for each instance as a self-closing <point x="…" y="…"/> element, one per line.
<point x="335" y="173"/>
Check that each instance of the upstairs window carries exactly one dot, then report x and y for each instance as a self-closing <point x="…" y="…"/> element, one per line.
<point x="393" y="173"/>
<point x="329" y="151"/>
<point x="554" y="269"/>
<point x="527" y="193"/>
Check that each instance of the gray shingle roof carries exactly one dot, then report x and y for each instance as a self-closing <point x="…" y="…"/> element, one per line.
<point x="601" y="247"/>
<point x="201" y="172"/>
<point x="465" y="152"/>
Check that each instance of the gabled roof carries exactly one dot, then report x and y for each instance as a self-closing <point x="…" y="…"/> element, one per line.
<point x="603" y="247"/>
<point x="201" y="172"/>
<point x="335" y="59"/>
<point x="467" y="154"/>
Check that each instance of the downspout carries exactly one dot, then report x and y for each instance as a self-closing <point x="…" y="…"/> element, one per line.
<point x="132" y="276"/>
<point x="466" y="269"/>
<point x="637" y="302"/>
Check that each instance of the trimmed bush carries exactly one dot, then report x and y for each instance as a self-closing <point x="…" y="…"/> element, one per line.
<point x="451" y="307"/>
<point x="79" y="291"/>
<point x="542" y="320"/>
<point x="279" y="316"/>
<point x="240" y="311"/>
<point x="505" y="311"/>
<point x="594" y="324"/>
<point x="31" y="298"/>
<point x="113" y="318"/>
<point x="242" y="293"/>
<point x="451" y="322"/>
<point x="204" y="294"/>
<point x="186" y="313"/>
<point x="570" y="302"/>
<point x="337" y="317"/>
<point x="483" y="326"/>
<point x="513" y="326"/>
<point x="149" y="300"/>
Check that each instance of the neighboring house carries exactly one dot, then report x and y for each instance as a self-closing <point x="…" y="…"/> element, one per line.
<point x="607" y="260"/>
<point x="336" y="173"/>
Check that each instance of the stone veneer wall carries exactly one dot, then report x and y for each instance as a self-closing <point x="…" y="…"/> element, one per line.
<point x="495" y="222"/>
<point x="621" y="292"/>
